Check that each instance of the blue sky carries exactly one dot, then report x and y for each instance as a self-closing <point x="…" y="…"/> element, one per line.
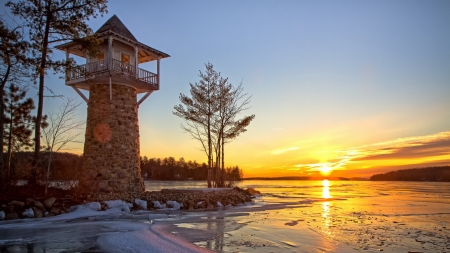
<point x="324" y="76"/>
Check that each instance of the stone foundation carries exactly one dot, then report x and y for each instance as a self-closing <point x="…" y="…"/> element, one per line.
<point x="111" y="147"/>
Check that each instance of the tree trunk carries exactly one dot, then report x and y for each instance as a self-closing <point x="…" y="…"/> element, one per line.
<point x="2" y="122"/>
<point x="48" y="171"/>
<point x="8" y="156"/>
<point x="223" y="160"/>
<point x="37" y="130"/>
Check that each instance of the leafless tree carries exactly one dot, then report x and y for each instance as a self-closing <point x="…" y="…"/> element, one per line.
<point x="210" y="114"/>
<point x="63" y="128"/>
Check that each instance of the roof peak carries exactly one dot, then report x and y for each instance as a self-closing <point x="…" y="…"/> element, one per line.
<point x="115" y="25"/>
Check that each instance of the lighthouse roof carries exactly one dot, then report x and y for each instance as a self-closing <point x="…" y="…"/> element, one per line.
<point x="115" y="25"/>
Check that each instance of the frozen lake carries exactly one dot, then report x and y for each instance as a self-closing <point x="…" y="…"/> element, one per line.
<point x="290" y="216"/>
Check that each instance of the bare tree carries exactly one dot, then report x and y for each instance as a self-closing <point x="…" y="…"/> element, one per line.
<point x="199" y="110"/>
<point x="63" y="129"/>
<point x="210" y="114"/>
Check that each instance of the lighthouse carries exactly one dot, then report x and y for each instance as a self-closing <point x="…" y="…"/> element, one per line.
<point x="113" y="79"/>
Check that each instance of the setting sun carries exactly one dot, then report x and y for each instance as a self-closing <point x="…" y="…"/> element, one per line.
<point x="325" y="170"/>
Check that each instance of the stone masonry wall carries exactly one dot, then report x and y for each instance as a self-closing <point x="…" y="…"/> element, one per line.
<point x="111" y="147"/>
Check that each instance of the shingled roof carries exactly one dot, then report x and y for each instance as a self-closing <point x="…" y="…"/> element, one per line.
<point x="115" y="25"/>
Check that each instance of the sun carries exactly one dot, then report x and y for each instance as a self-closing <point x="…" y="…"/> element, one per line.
<point x="325" y="170"/>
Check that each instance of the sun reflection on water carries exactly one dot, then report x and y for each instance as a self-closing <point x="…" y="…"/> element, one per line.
<point x="326" y="206"/>
<point x="326" y="189"/>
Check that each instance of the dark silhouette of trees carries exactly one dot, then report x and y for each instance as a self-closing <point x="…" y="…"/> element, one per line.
<point x="13" y="69"/>
<point x="210" y="118"/>
<point x="170" y="169"/>
<point x="53" y="22"/>
<point x="434" y="174"/>
<point x="18" y="123"/>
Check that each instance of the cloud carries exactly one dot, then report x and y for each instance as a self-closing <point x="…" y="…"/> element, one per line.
<point x="283" y="150"/>
<point x="427" y="150"/>
<point x="407" y="148"/>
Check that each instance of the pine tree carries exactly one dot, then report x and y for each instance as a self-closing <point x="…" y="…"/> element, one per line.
<point x="18" y="123"/>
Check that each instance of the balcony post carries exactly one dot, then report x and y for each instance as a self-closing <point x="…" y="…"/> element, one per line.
<point x="157" y="73"/>
<point x="136" y="62"/>
<point x="110" y="40"/>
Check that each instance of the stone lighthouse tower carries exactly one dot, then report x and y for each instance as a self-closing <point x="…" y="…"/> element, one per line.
<point x="113" y="79"/>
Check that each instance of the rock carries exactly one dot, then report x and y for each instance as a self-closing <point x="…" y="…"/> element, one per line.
<point x="48" y="203"/>
<point x="209" y="206"/>
<point x="37" y="212"/>
<point x="39" y="205"/>
<point x="252" y="191"/>
<point x="11" y="215"/>
<point x="30" y="202"/>
<point x="28" y="213"/>
<point x="16" y="203"/>
<point x="55" y="210"/>
<point x="62" y="212"/>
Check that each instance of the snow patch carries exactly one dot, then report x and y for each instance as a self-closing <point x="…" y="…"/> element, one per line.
<point x="219" y="204"/>
<point x="2" y="215"/>
<point x="200" y="203"/>
<point x="95" y="206"/>
<point x="28" y="213"/>
<point x="158" y="205"/>
<point x="119" y="205"/>
<point x="141" y="203"/>
<point x="175" y="205"/>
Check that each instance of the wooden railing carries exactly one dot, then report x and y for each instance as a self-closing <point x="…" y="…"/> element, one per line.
<point x="113" y="66"/>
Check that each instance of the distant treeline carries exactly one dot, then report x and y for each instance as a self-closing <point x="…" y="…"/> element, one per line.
<point x="171" y="169"/>
<point x="64" y="166"/>
<point x="434" y="174"/>
<point x="308" y="178"/>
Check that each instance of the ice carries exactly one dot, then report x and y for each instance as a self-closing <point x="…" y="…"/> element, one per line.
<point x="141" y="203"/>
<point x="28" y="213"/>
<point x="2" y="215"/>
<point x="219" y="204"/>
<point x="175" y="205"/>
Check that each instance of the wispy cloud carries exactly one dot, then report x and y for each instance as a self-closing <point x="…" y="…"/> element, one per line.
<point x="283" y="150"/>
<point x="432" y="149"/>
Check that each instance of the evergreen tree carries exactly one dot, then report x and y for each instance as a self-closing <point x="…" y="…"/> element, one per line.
<point x="18" y="123"/>
<point x="13" y="68"/>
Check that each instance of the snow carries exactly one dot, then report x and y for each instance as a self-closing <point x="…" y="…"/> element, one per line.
<point x="94" y="206"/>
<point x="175" y="205"/>
<point x="28" y="213"/>
<point x="219" y="204"/>
<point x="141" y="203"/>
<point x="200" y="203"/>
<point x="119" y="205"/>
<point x="2" y="215"/>
<point x="158" y="205"/>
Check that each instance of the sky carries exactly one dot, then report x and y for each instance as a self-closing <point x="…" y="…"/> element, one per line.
<point x="358" y="87"/>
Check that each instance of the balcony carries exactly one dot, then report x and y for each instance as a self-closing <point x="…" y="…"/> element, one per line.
<point x="100" y="72"/>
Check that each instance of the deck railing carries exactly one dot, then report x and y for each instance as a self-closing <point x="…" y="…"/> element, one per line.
<point x="114" y="66"/>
